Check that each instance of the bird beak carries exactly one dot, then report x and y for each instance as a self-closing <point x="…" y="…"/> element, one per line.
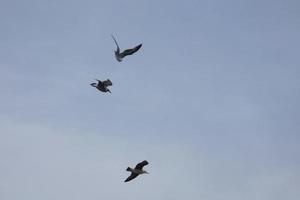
<point x="109" y="91"/>
<point x="146" y="172"/>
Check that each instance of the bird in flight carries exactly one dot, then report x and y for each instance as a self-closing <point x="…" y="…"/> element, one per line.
<point x="102" y="85"/>
<point x="137" y="170"/>
<point x="119" y="56"/>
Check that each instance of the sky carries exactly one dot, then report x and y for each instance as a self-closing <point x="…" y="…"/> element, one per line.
<point x="211" y="100"/>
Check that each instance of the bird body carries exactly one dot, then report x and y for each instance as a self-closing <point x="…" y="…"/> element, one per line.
<point x="102" y="85"/>
<point x="120" y="55"/>
<point x="138" y="170"/>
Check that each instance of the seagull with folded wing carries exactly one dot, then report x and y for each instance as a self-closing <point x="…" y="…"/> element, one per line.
<point x="102" y="85"/>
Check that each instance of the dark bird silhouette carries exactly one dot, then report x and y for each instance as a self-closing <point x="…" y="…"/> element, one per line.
<point x="119" y="56"/>
<point x="102" y="85"/>
<point x="137" y="170"/>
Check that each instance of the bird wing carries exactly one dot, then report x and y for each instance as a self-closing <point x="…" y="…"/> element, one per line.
<point x="118" y="48"/>
<point x="99" y="82"/>
<point x="132" y="176"/>
<point x="141" y="165"/>
<point x="130" y="51"/>
<point x="107" y="82"/>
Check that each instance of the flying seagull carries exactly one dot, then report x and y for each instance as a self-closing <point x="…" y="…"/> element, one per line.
<point x="102" y="85"/>
<point x="137" y="170"/>
<point x="119" y="56"/>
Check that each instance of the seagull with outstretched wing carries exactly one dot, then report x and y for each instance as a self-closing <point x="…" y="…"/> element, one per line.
<point x="119" y="56"/>
<point x="137" y="170"/>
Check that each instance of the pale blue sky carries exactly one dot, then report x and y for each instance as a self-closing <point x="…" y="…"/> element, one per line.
<point x="211" y="100"/>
